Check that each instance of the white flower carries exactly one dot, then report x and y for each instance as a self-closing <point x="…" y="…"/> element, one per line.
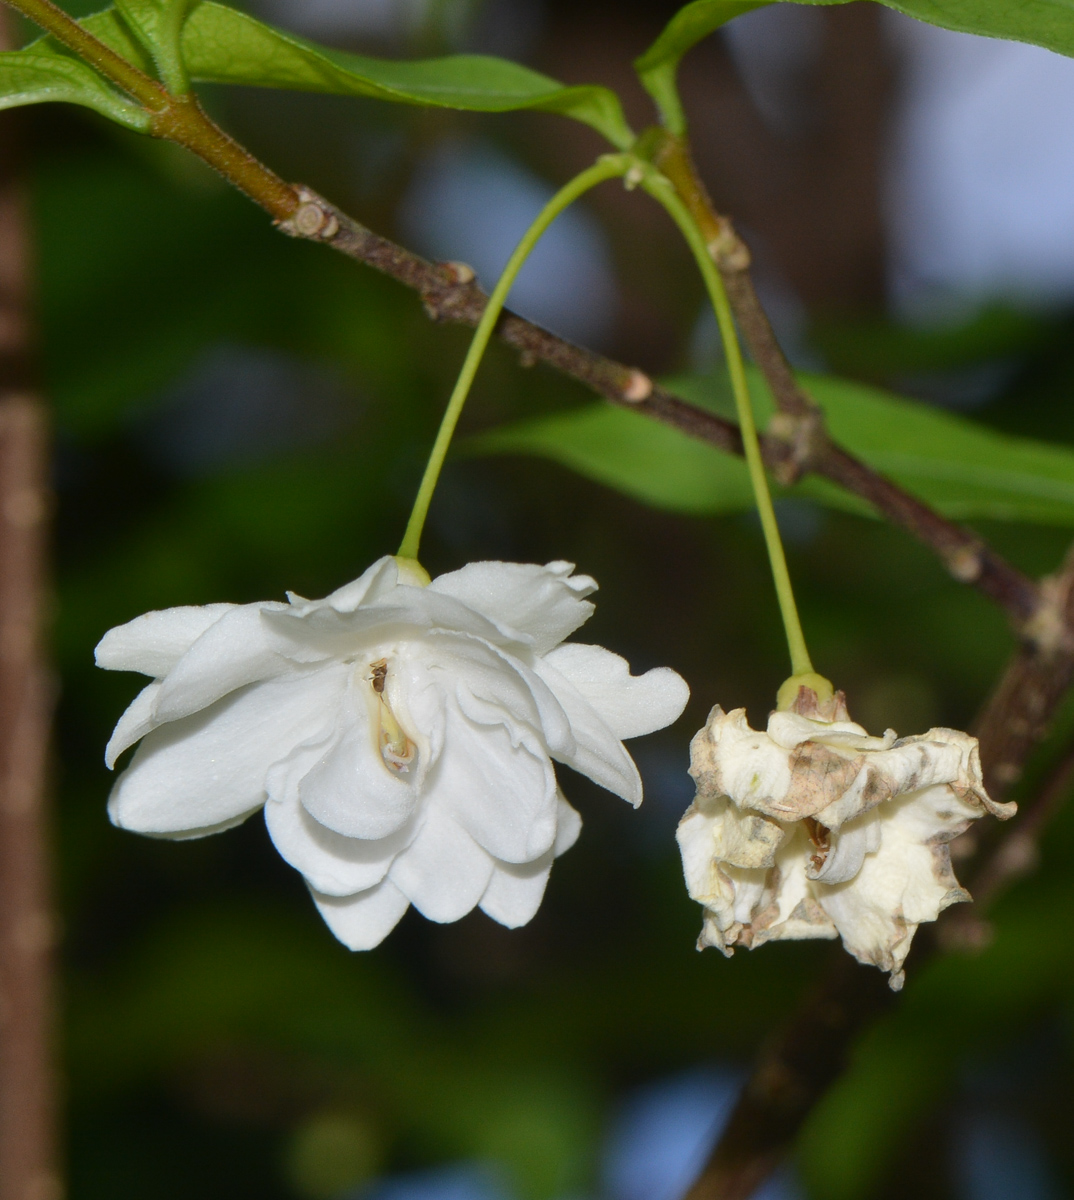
<point x="398" y="735"/>
<point x="816" y="829"/>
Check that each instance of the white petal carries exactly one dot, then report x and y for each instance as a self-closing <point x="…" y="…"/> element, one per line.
<point x="405" y="613"/>
<point x="630" y="705"/>
<point x="798" y="916"/>
<point x="500" y="788"/>
<point x="906" y="882"/>
<point x="444" y="872"/>
<point x="363" y="921"/>
<point x="695" y="836"/>
<point x="351" y="789"/>
<point x="135" y="723"/>
<point x="911" y="764"/>
<point x="849" y="846"/>
<point x="544" y="604"/>
<point x="793" y="886"/>
<point x="154" y="642"/>
<point x="374" y="581"/>
<point x="494" y="686"/>
<point x="210" y="768"/>
<point x="515" y="891"/>
<point x="714" y="833"/>
<point x="568" y="826"/>
<point x="790" y="729"/>
<point x="236" y="650"/>
<point x="598" y="752"/>
<point x="934" y="814"/>
<point x="331" y="864"/>
<point x="729" y="758"/>
<point x="750" y="892"/>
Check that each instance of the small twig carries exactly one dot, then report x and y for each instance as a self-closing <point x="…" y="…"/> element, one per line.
<point x="732" y="258"/>
<point x="178" y="118"/>
<point x="968" y="558"/>
<point x="799" y="444"/>
<point x="451" y="296"/>
<point x="799" y="422"/>
<point x="791" y="1073"/>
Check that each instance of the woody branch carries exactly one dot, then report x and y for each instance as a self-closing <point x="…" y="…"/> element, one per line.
<point x="797" y="445"/>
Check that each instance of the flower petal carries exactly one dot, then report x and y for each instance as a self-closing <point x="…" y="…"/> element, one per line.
<point x="598" y="752"/>
<point x="135" y="723"/>
<point x="332" y="864"/>
<point x="695" y="836"/>
<point x="906" y="882"/>
<point x="236" y="650"/>
<point x="729" y="758"/>
<point x="443" y="872"/>
<point x="350" y="788"/>
<point x="543" y="604"/>
<point x="209" y="769"/>
<point x="375" y="581"/>
<point x="847" y="851"/>
<point x="154" y="642"/>
<point x="790" y="729"/>
<point x="911" y="764"/>
<point x="515" y="891"/>
<point x="797" y="914"/>
<point x="630" y="705"/>
<point x="498" y="785"/>
<point x="365" y="920"/>
<point x="493" y="686"/>
<point x="568" y="826"/>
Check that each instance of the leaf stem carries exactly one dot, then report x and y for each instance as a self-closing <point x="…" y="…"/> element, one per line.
<point x="178" y="118"/>
<point x="113" y="66"/>
<point x="662" y="190"/>
<point x="606" y="167"/>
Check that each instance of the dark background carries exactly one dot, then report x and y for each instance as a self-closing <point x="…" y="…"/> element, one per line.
<point x="237" y="415"/>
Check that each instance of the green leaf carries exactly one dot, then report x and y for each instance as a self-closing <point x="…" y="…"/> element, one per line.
<point x="1042" y="22"/>
<point x="45" y="71"/>
<point x="221" y="45"/>
<point x="962" y="469"/>
<point x="158" y="26"/>
<point x="653" y="463"/>
<point x="658" y="66"/>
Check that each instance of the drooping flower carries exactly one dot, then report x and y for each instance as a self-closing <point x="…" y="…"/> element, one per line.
<point x="399" y="734"/>
<point x="814" y="829"/>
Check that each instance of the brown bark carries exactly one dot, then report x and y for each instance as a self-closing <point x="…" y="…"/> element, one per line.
<point x="27" y="1093"/>
<point x="28" y="1150"/>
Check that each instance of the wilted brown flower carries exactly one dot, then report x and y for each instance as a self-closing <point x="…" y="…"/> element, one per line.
<point x="815" y="829"/>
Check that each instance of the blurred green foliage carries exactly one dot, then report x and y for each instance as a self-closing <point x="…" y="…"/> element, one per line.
<point x="218" y="1042"/>
<point x="954" y="465"/>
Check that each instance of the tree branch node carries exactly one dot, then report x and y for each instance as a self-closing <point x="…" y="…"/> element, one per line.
<point x="805" y="437"/>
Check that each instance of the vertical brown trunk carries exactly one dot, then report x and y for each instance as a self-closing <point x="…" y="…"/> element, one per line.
<point x="28" y="1151"/>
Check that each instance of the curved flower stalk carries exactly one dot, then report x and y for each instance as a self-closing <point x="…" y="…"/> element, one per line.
<point x="399" y="734"/>
<point x="814" y="829"/>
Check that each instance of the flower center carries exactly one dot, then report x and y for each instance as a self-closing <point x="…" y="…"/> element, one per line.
<point x="397" y="750"/>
